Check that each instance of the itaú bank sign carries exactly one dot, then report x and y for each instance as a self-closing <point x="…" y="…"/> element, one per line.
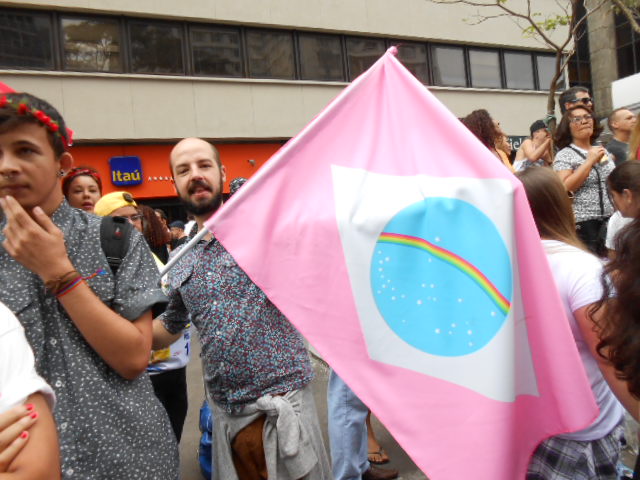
<point x="126" y="170"/>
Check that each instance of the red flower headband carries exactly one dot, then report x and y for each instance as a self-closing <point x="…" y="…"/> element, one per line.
<point x="76" y="172"/>
<point x="22" y="108"/>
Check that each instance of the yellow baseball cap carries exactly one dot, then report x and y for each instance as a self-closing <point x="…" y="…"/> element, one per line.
<point x="113" y="201"/>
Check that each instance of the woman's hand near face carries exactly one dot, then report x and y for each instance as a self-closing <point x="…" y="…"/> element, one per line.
<point x="595" y="154"/>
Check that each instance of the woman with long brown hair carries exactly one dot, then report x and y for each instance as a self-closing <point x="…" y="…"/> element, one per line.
<point x="154" y="231"/>
<point x="594" y="451"/>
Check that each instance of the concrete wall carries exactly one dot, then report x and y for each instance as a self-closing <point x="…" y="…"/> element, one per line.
<point x="144" y="108"/>
<point x="420" y="19"/>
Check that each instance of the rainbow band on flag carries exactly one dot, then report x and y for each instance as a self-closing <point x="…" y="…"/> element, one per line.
<point x="456" y="261"/>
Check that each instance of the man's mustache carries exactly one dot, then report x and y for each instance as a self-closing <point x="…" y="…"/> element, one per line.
<point x="198" y="184"/>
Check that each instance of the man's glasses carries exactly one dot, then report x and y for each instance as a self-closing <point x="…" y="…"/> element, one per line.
<point x="585" y="100"/>
<point x="580" y="119"/>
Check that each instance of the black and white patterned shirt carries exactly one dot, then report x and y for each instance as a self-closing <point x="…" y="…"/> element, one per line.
<point x="586" y="200"/>
<point x="109" y="427"/>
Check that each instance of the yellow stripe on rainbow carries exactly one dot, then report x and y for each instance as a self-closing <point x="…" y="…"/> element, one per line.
<point x="456" y="261"/>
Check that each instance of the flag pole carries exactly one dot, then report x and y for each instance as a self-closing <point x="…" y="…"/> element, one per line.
<point x="188" y="246"/>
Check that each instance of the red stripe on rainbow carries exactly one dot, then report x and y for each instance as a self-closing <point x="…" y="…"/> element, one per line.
<point x="458" y="262"/>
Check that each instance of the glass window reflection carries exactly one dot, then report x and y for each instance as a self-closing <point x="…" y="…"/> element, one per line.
<point x="485" y="68"/>
<point x="91" y="44"/>
<point x="156" y="48"/>
<point x="448" y="66"/>
<point x="270" y="54"/>
<point x="320" y="57"/>
<point x="216" y="51"/>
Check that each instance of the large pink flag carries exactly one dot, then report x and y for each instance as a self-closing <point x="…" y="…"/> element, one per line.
<point x="405" y="252"/>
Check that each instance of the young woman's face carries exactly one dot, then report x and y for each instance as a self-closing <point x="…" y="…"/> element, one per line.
<point x="627" y="203"/>
<point x="581" y="123"/>
<point x="83" y="193"/>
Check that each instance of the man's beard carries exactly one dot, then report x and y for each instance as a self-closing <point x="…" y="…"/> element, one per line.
<point x="199" y="209"/>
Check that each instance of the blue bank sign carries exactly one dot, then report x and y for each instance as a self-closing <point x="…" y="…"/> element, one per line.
<point x="126" y="170"/>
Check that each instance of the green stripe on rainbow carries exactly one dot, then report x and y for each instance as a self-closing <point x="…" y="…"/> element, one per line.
<point x="456" y="261"/>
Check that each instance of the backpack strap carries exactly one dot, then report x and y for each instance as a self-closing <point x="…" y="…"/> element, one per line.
<point x="114" y="239"/>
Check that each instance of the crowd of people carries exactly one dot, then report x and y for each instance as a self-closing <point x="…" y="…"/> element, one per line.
<point x="94" y="345"/>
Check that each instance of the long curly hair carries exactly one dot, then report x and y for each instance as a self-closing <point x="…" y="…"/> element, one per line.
<point x="152" y="228"/>
<point x="619" y="326"/>
<point x="620" y="323"/>
<point x="563" y="137"/>
<point x="480" y="123"/>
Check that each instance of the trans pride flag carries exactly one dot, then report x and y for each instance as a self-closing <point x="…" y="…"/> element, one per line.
<point x="406" y="254"/>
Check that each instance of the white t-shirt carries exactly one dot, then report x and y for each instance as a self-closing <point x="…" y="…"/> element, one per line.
<point x="616" y="223"/>
<point x="577" y="277"/>
<point x="18" y="377"/>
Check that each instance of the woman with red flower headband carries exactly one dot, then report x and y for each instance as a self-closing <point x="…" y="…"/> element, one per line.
<point x="82" y="188"/>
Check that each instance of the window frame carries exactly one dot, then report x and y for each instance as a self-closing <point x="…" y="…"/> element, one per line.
<point x="60" y="36"/>
<point x="465" y="64"/>
<point x="130" y="21"/>
<point x="192" y="67"/>
<point x="248" y="30"/>
<point x="126" y="24"/>
<point x="501" y="72"/>
<point x="54" y="46"/>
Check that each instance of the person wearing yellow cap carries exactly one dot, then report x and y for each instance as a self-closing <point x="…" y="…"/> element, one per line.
<point x="119" y="204"/>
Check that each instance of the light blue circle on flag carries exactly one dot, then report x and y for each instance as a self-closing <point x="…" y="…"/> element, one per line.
<point x="441" y="277"/>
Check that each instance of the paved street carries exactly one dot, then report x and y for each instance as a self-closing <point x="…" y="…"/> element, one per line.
<point x="191" y="436"/>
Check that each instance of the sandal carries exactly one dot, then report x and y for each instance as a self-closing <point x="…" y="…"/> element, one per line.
<point x="378" y="458"/>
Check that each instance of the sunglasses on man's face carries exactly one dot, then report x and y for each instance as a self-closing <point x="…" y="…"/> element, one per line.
<point x="584" y="101"/>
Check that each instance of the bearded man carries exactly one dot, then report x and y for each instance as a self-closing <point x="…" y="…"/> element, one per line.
<point x="256" y="367"/>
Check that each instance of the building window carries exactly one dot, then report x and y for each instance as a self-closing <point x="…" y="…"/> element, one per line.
<point x="414" y="57"/>
<point x="91" y="44"/>
<point x="25" y="40"/>
<point x="628" y="47"/>
<point x="216" y="51"/>
<point x="320" y="57"/>
<point x="362" y="53"/>
<point x="448" y="66"/>
<point x="270" y="54"/>
<point x="156" y="47"/>
<point x="546" y="65"/>
<point x="485" y="68"/>
<point x="518" y="69"/>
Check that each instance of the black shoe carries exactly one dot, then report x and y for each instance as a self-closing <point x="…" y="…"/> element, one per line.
<point x="378" y="473"/>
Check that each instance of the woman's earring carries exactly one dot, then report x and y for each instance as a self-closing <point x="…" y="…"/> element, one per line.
<point x="61" y="173"/>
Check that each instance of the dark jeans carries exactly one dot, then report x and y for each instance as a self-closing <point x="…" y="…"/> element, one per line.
<point x="171" y="389"/>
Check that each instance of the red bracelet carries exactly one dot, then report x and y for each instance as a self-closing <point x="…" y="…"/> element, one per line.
<point x="74" y="283"/>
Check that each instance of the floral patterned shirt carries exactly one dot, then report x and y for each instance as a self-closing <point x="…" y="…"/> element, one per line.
<point x="249" y="348"/>
<point x="109" y="427"/>
<point x="586" y="200"/>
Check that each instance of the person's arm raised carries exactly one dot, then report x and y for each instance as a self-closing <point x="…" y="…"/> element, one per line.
<point x="38" y="244"/>
<point x="534" y="153"/>
<point x="574" y="179"/>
